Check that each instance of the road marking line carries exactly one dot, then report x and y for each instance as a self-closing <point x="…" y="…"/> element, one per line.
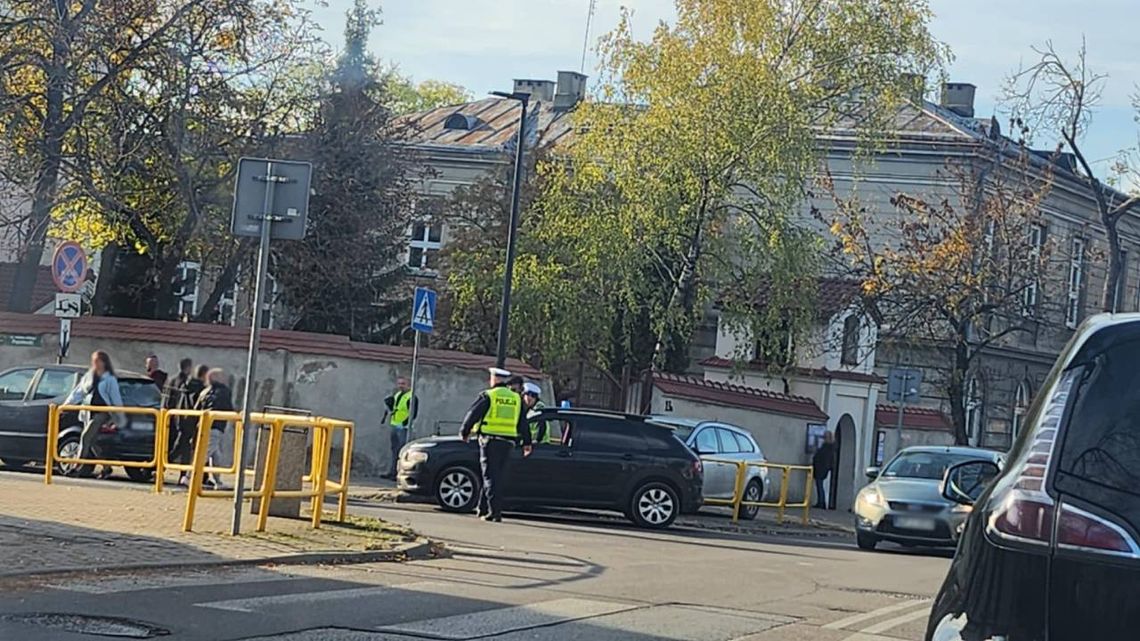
<point x="897" y="621"/>
<point x="874" y="614"/>
<point x="489" y="623"/>
<point x="253" y="604"/>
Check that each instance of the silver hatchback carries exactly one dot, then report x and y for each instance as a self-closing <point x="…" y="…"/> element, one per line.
<point x="714" y="441"/>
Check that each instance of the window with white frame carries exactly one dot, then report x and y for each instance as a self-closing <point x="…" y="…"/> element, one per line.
<point x="424" y="244"/>
<point x="227" y="304"/>
<point x="1029" y="294"/>
<point x="975" y="405"/>
<point x="1020" y="407"/>
<point x="186" y="288"/>
<point x="1076" y="278"/>
<point x="1121" y="283"/>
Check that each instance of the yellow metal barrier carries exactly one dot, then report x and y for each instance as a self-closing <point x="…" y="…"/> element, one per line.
<point x="317" y="479"/>
<point x="51" y="458"/>
<point x="737" y="500"/>
<point x="323" y="430"/>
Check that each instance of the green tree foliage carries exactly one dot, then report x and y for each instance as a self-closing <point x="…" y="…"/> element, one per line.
<point x="681" y="182"/>
<point x="340" y="278"/>
<point x="405" y="96"/>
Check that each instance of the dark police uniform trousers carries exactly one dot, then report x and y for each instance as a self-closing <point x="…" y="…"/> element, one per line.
<point x="494" y="454"/>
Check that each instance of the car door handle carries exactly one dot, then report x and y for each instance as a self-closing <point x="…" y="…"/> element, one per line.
<point x="627" y="457"/>
<point x="564" y="453"/>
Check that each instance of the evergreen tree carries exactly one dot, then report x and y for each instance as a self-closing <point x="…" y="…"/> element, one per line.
<point x="345" y="276"/>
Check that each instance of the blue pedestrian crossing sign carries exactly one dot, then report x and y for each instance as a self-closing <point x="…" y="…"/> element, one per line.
<point x="423" y="310"/>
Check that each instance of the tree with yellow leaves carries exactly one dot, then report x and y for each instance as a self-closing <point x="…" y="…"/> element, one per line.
<point x="961" y="271"/>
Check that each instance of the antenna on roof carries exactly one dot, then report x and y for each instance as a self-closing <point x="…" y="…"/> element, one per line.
<point x="586" y="37"/>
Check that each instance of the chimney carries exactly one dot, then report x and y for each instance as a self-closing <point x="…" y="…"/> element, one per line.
<point x="539" y="90"/>
<point x="959" y="98"/>
<point x="571" y="90"/>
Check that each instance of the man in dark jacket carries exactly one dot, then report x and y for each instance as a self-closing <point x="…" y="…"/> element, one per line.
<point x="216" y="397"/>
<point x="174" y="397"/>
<point x="823" y="463"/>
<point x="498" y="418"/>
<point x="154" y="373"/>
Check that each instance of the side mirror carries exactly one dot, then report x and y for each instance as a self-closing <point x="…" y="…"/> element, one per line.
<point x="964" y="483"/>
<point x="872" y="473"/>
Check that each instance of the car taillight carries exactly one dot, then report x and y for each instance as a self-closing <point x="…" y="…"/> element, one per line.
<point x="698" y="467"/>
<point x="1080" y="529"/>
<point x="1024" y="517"/>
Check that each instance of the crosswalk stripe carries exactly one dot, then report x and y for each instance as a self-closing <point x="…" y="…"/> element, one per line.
<point x="504" y="620"/>
<point x="874" y="614"/>
<point x="897" y="621"/>
<point x="254" y="604"/>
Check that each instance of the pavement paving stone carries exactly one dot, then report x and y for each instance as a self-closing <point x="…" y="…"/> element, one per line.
<point x="76" y="524"/>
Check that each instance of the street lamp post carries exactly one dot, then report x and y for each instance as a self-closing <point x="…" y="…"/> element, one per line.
<point x="512" y="232"/>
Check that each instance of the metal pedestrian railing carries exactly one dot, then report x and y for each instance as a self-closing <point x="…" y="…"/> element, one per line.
<point x="315" y="485"/>
<point x="737" y="501"/>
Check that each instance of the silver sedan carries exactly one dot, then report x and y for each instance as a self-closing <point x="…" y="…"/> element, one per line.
<point x="904" y="504"/>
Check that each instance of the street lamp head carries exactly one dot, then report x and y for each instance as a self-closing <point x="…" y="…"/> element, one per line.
<point x="521" y="97"/>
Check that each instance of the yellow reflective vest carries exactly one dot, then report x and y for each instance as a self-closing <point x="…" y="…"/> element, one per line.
<point x="401" y="408"/>
<point x="502" y="418"/>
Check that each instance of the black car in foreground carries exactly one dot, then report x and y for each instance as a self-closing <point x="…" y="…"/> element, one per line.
<point x="1049" y="551"/>
<point x="604" y="460"/>
<point x="27" y="392"/>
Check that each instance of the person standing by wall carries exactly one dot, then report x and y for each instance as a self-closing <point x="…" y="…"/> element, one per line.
<point x="498" y="419"/>
<point x="157" y="375"/>
<point x="823" y="464"/>
<point x="402" y="408"/>
<point x="216" y="397"/>
<point x="98" y="388"/>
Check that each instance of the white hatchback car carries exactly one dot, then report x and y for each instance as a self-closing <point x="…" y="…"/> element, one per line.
<point x="715" y="440"/>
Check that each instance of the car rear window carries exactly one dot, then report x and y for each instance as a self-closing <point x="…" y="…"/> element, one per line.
<point x="137" y="393"/>
<point x="605" y="435"/>
<point x="1102" y="441"/>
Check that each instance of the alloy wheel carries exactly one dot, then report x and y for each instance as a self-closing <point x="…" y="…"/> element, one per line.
<point x="655" y="506"/>
<point x="456" y="489"/>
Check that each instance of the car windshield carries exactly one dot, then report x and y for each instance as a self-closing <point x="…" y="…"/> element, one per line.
<point x="140" y="393"/>
<point x="924" y="465"/>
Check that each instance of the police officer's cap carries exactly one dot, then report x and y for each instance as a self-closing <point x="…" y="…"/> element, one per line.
<point x="499" y="372"/>
<point x="533" y="389"/>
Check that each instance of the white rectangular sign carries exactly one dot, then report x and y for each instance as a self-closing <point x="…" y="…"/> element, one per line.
<point x="68" y="305"/>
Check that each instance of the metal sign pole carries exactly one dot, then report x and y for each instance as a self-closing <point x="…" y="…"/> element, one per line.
<point x="254" y="341"/>
<point x="414" y="405"/>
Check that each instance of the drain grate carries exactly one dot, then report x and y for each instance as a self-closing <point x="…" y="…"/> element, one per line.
<point x="89" y="624"/>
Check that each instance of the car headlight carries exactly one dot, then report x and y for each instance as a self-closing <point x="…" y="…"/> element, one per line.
<point x="872" y="496"/>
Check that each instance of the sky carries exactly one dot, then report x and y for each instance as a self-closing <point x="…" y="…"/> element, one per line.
<point x="484" y="44"/>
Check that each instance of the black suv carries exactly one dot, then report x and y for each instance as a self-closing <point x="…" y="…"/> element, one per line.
<point x="601" y="460"/>
<point x="1050" y="550"/>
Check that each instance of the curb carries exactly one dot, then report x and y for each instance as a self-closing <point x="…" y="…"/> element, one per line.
<point x="408" y="551"/>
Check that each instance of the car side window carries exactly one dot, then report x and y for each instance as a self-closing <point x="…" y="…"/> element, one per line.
<point x="706" y="441"/>
<point x="744" y="443"/>
<point x="14" y="384"/>
<point x="728" y="444"/>
<point x="54" y="383"/>
<point x="605" y="436"/>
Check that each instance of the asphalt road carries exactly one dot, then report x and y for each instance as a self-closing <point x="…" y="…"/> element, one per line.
<point x="532" y="577"/>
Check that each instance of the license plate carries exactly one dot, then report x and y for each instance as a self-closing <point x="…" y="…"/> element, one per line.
<point x="913" y="523"/>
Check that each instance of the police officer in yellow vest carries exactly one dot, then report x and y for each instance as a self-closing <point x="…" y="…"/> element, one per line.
<point x="498" y="418"/>
<point x="402" y="406"/>
<point x="539" y="430"/>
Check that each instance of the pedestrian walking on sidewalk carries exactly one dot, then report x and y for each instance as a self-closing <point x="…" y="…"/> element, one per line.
<point x="176" y="396"/>
<point x="402" y="408"/>
<point x="97" y="388"/>
<point x="823" y="464"/>
<point x="498" y="419"/>
<point x="218" y="398"/>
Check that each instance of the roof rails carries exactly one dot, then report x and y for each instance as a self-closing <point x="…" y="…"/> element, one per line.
<point x="596" y="411"/>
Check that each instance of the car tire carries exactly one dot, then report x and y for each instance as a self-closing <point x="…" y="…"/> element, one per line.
<point x="70" y="447"/>
<point x="15" y="462"/>
<point x="139" y="474"/>
<point x="457" y="489"/>
<point x="866" y="541"/>
<point x="754" y="491"/>
<point x="654" y="505"/>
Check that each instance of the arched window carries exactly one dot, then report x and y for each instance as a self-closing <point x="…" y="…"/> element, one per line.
<point x="975" y="405"/>
<point x="1020" y="406"/>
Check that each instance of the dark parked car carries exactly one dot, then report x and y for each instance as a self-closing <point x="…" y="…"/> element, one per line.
<point x="604" y="461"/>
<point x="1050" y="550"/>
<point x="25" y="394"/>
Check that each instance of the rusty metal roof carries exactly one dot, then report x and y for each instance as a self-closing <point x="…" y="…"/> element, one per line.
<point x="493" y="125"/>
